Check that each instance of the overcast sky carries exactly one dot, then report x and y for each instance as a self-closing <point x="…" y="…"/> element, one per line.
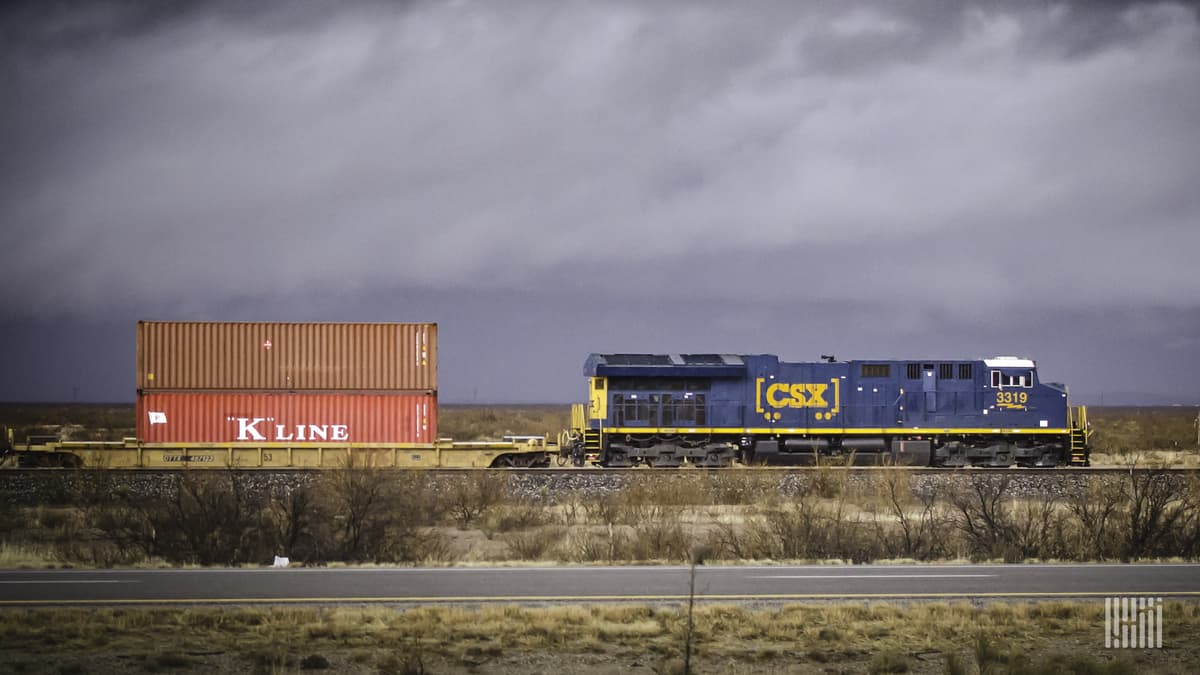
<point x="548" y="179"/>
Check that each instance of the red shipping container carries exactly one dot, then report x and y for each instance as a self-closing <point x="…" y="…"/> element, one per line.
<point x="294" y="419"/>
<point x="184" y="356"/>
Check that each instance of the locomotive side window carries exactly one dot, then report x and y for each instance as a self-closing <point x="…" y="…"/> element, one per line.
<point x="638" y="411"/>
<point x="635" y="411"/>
<point x="684" y="412"/>
<point x="1001" y="380"/>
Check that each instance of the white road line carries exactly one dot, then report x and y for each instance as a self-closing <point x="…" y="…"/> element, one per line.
<point x="71" y="581"/>
<point x="872" y="576"/>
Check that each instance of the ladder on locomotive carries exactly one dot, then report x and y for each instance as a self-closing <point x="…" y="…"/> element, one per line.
<point x="591" y="442"/>
<point x="591" y="437"/>
<point x="1079" y="436"/>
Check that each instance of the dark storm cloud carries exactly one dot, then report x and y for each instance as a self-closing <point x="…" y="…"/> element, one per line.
<point x="919" y="166"/>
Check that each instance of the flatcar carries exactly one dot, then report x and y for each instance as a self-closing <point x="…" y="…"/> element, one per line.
<point x="133" y="453"/>
<point x="711" y="410"/>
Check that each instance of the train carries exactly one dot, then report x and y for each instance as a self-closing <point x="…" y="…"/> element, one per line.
<point x="703" y="410"/>
<point x="714" y="410"/>
<point x="317" y="396"/>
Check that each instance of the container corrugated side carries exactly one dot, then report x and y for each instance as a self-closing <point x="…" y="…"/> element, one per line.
<point x="235" y="417"/>
<point x="180" y="355"/>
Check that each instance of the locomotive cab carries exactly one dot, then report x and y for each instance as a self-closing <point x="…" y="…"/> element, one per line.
<point x="660" y="409"/>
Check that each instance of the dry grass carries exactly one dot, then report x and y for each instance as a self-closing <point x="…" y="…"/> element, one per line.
<point x="16" y="556"/>
<point x="75" y="422"/>
<point x="510" y="639"/>
<point x="1172" y="459"/>
<point x="477" y="423"/>
<point x="1120" y="431"/>
<point x="384" y="517"/>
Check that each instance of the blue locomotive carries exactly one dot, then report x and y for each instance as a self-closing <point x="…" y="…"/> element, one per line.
<point x="713" y="409"/>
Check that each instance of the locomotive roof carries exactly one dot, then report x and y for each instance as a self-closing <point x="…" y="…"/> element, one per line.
<point x="1009" y="362"/>
<point x="717" y="365"/>
<point x="708" y="365"/>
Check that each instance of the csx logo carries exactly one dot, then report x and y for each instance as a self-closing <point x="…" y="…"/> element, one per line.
<point x="799" y="395"/>
<point x="779" y="395"/>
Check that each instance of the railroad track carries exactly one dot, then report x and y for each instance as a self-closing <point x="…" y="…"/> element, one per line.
<point x="664" y="472"/>
<point x="33" y="487"/>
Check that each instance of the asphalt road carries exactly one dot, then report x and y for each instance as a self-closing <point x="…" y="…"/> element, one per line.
<point x="536" y="585"/>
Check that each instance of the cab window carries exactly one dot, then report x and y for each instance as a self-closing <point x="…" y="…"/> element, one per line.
<point x="1022" y="379"/>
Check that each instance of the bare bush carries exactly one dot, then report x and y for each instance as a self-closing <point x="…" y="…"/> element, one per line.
<point x="380" y="515"/>
<point x="664" y="539"/>
<point x="1156" y="503"/>
<point x="534" y="544"/>
<point x="293" y="522"/>
<point x="361" y="500"/>
<point x="647" y="498"/>
<point x="470" y="496"/>
<point x="606" y="510"/>
<point x="794" y="530"/>
<point x="124" y="535"/>
<point x="908" y="525"/>
<point x="728" y="541"/>
<point x="802" y="528"/>
<point x="208" y="520"/>
<point x="996" y="525"/>
<point x="521" y="515"/>
<point x="572" y="508"/>
<point x="848" y="536"/>
<point x="1187" y="530"/>
<point x="588" y="545"/>
<point x="828" y="477"/>
<point x="983" y="508"/>
<point x="1097" y="513"/>
<point x="1039" y="529"/>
